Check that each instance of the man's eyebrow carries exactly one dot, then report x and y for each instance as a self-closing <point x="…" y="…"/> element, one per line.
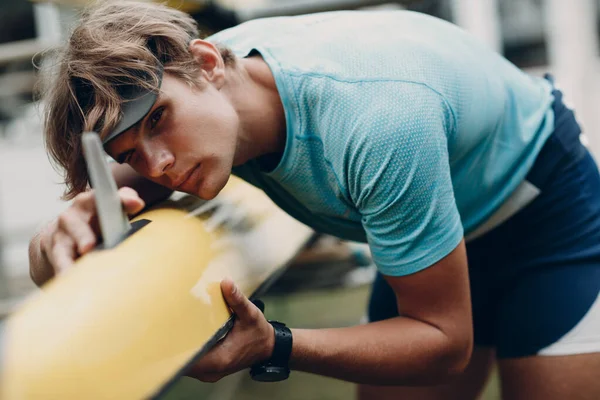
<point x="136" y="127"/>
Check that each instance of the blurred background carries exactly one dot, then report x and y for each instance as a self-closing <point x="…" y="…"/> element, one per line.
<point x="328" y="285"/>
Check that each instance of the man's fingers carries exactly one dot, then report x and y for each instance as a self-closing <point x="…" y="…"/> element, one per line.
<point x="62" y="254"/>
<point x="244" y="310"/>
<point x="76" y="231"/>
<point x="79" y="229"/>
<point x="132" y="202"/>
<point x="85" y="202"/>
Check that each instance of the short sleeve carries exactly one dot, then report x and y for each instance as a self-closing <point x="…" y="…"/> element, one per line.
<point x="399" y="179"/>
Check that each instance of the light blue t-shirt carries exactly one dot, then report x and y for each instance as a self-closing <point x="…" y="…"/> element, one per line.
<point x="402" y="130"/>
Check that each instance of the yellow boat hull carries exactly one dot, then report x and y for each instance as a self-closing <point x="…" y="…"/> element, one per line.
<point x="124" y="322"/>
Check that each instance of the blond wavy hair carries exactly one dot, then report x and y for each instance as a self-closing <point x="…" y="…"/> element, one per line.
<point x="114" y="43"/>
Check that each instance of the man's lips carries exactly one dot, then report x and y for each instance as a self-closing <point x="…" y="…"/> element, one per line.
<point x="186" y="177"/>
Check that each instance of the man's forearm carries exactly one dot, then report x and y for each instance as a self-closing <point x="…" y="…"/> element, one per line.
<point x="399" y="351"/>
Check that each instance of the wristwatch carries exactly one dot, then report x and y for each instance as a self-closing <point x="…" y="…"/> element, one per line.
<point x="276" y="368"/>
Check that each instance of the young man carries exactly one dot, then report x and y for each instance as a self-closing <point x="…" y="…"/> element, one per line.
<point x="393" y="128"/>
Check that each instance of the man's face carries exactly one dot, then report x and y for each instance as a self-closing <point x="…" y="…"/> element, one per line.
<point x="186" y="142"/>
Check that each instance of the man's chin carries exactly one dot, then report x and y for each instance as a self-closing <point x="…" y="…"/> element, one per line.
<point x="208" y="190"/>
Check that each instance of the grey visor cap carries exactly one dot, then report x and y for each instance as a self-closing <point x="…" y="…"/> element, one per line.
<point x="137" y="102"/>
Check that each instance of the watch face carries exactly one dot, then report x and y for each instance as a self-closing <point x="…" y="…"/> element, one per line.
<point x="270" y="374"/>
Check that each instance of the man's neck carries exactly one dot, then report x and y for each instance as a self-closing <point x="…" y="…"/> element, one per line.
<point x="259" y="106"/>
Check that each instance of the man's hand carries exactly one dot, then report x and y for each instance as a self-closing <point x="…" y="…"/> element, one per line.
<point x="251" y="340"/>
<point x="74" y="233"/>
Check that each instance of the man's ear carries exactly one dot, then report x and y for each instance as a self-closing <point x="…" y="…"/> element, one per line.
<point x="210" y="61"/>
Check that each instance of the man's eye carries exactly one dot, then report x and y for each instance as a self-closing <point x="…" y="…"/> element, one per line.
<point x="128" y="158"/>
<point x="155" y="117"/>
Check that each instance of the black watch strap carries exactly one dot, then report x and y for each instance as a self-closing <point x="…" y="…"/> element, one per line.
<point x="275" y="368"/>
<point x="282" y="350"/>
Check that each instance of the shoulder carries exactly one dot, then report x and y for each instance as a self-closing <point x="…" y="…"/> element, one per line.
<point x="371" y="115"/>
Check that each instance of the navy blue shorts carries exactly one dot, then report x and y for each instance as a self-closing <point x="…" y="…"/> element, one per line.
<point x="535" y="276"/>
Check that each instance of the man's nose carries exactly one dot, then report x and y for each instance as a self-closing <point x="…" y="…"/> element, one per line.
<point x="159" y="162"/>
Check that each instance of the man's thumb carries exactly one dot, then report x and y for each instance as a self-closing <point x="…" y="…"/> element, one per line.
<point x="235" y="298"/>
